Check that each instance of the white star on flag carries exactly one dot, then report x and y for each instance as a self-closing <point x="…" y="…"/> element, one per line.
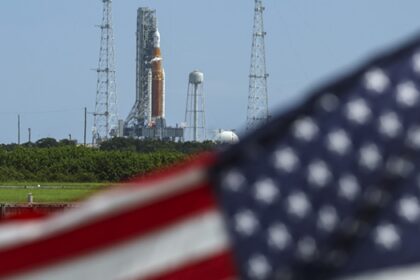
<point x="358" y="112"/>
<point x="409" y="208"/>
<point x="407" y="94"/>
<point x="376" y="80"/>
<point x="266" y="191"/>
<point x="389" y="124"/>
<point x="338" y="142"/>
<point x="370" y="157"/>
<point x="298" y="204"/>
<point x="386" y="236"/>
<point x="348" y="187"/>
<point x="305" y="129"/>
<point x="285" y="159"/>
<point x="278" y="236"/>
<point x="318" y="173"/>
<point x="246" y="223"/>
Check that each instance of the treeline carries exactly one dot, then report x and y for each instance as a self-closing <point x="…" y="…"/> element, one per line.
<point x="150" y="146"/>
<point x="124" y="144"/>
<point x="48" y="160"/>
<point x="41" y="143"/>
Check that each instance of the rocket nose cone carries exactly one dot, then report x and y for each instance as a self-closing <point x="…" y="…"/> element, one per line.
<point x="156" y="39"/>
<point x="157" y="34"/>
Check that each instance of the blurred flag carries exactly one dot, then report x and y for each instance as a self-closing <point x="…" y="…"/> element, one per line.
<point x="331" y="190"/>
<point x="167" y="226"/>
<point x="328" y="191"/>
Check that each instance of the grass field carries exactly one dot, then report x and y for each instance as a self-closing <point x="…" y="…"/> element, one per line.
<point x="55" y="192"/>
<point x="17" y="195"/>
<point x="54" y="184"/>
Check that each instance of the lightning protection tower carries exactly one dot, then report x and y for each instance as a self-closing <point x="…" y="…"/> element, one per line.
<point x="105" y="115"/>
<point x="195" y="129"/>
<point x="257" y="113"/>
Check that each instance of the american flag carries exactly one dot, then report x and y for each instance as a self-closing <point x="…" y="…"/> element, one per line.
<point x="329" y="190"/>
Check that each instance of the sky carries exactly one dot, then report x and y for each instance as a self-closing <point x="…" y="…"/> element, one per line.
<point x="48" y="49"/>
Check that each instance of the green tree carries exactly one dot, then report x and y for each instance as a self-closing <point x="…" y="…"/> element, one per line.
<point x="46" y="143"/>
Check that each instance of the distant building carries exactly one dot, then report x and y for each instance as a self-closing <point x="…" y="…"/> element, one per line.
<point x="226" y="137"/>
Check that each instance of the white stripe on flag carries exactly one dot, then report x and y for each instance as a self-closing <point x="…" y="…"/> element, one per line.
<point x="398" y="273"/>
<point x="196" y="238"/>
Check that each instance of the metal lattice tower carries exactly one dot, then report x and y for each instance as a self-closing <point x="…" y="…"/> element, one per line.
<point x="105" y="116"/>
<point x="257" y="113"/>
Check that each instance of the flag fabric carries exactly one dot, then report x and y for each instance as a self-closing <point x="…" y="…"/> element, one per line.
<point x="330" y="190"/>
<point x="164" y="227"/>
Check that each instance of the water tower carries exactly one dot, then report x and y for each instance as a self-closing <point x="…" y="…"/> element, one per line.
<point x="195" y="129"/>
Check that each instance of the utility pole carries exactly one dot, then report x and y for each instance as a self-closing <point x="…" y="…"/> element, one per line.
<point x="257" y="113"/>
<point x="84" y="130"/>
<point x="29" y="135"/>
<point x="18" y="129"/>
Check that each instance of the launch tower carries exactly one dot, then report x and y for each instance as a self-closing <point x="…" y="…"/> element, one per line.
<point x="147" y="117"/>
<point x="140" y="114"/>
<point x="257" y="113"/>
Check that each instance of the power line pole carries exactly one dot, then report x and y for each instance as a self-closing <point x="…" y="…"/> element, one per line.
<point x="29" y="135"/>
<point x="257" y="113"/>
<point x="18" y="129"/>
<point x="105" y="116"/>
<point x="84" y="129"/>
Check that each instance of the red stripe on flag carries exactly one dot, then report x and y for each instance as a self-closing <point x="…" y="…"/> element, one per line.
<point x="102" y="234"/>
<point x="218" y="267"/>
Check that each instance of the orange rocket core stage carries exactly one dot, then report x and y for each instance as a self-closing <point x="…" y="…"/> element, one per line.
<point x="158" y="79"/>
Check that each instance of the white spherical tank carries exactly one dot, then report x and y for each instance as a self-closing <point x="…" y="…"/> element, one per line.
<point x="227" y="137"/>
<point x="196" y="77"/>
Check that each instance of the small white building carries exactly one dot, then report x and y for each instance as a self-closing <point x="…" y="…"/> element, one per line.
<point x="226" y="137"/>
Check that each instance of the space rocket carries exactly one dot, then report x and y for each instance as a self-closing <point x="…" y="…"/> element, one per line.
<point x="157" y="105"/>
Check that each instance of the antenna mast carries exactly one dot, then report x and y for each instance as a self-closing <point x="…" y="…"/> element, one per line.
<point x="257" y="113"/>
